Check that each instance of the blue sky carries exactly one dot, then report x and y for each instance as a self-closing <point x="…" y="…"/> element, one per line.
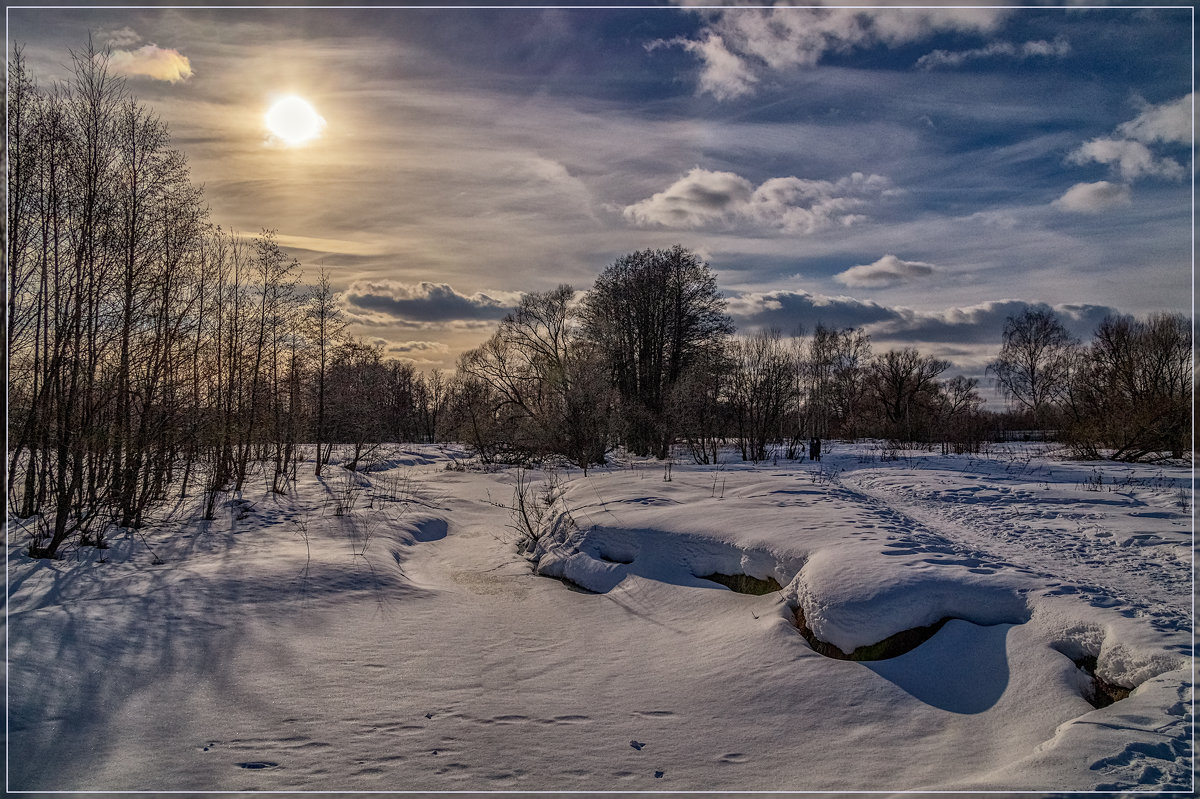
<point x="921" y="172"/>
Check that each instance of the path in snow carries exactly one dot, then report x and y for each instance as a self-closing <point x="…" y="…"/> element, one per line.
<point x="1088" y="540"/>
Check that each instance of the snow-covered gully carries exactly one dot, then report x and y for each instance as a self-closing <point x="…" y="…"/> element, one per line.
<point x="403" y="642"/>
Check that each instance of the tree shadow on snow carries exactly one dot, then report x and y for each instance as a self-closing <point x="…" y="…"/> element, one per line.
<point x="106" y="641"/>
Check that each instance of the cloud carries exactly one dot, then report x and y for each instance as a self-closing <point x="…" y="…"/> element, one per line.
<point x="724" y="74"/>
<point x="326" y="245"/>
<point x="1131" y="159"/>
<point x="789" y="310"/>
<point x="1092" y="198"/>
<point x="413" y="347"/>
<point x="981" y="324"/>
<point x="122" y="37"/>
<point x="887" y="271"/>
<point x="696" y="199"/>
<point x="391" y="302"/>
<point x="1041" y="48"/>
<point x="796" y="205"/>
<point x="1128" y="152"/>
<point x="1169" y="122"/>
<point x="151" y="61"/>
<point x="738" y="44"/>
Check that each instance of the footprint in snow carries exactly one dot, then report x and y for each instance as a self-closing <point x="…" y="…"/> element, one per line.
<point x="637" y="745"/>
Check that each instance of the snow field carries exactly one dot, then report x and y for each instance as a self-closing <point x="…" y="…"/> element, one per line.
<point x="406" y="644"/>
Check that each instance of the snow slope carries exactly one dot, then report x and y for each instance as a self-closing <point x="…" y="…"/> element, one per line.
<point x="405" y="644"/>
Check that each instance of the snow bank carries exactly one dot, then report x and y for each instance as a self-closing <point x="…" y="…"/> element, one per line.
<point x="851" y="600"/>
<point x="1127" y="652"/>
<point x="600" y="558"/>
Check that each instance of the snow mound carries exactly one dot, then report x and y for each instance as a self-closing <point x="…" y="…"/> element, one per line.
<point x="600" y="558"/>
<point x="1125" y="653"/>
<point x="858" y="602"/>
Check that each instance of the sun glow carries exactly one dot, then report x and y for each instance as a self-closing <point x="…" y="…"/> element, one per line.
<point x="294" y="121"/>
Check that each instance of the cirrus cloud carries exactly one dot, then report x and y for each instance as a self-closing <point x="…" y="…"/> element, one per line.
<point x="121" y="37"/>
<point x="151" y="61"/>
<point x="1041" y="48"/>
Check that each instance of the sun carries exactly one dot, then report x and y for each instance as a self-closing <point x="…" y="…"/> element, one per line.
<point x="294" y="121"/>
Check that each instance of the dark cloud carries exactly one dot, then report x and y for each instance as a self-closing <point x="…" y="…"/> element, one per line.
<point x="790" y="310"/>
<point x="381" y="302"/>
<point x="981" y="324"/>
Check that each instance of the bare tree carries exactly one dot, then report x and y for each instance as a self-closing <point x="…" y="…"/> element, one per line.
<point x="357" y="381"/>
<point x="1034" y="361"/>
<point x="700" y="404"/>
<point x="550" y="387"/>
<point x="277" y="276"/>
<point x="327" y="326"/>
<point x="833" y="378"/>
<point x="957" y="415"/>
<point x="904" y="384"/>
<point x="762" y="388"/>
<point x="653" y="313"/>
<point x="1132" y="389"/>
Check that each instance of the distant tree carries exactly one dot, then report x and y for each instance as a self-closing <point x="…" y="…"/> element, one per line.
<point x="550" y="390"/>
<point x="1131" y="391"/>
<point x="357" y="386"/>
<point x="1034" y="361"/>
<point x="700" y="405"/>
<point x="904" y="385"/>
<point x="326" y="327"/>
<point x="761" y="390"/>
<point x="436" y="391"/>
<point x="277" y="277"/>
<point x="471" y="414"/>
<point x="652" y="314"/>
<point x="403" y="401"/>
<point x="957" y="414"/>
<point x="833" y="376"/>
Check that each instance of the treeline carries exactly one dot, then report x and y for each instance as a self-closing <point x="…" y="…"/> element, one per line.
<point x="149" y="351"/>
<point x="1127" y="394"/>
<point x="647" y="358"/>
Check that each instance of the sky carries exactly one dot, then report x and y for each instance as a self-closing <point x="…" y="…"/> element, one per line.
<point x="923" y="173"/>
